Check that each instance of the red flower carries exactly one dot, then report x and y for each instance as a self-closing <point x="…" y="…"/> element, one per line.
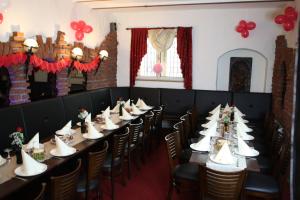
<point x="19" y="129"/>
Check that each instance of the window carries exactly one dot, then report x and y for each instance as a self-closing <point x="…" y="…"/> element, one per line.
<point x="169" y="60"/>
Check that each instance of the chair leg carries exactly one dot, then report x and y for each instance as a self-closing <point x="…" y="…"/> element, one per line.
<point x="112" y="186"/>
<point x="123" y="177"/>
<point x="169" y="197"/>
<point x="128" y="164"/>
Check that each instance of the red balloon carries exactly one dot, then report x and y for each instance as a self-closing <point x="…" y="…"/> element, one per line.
<point x="288" y="26"/>
<point x="239" y="29"/>
<point x="74" y="25"/>
<point x="79" y="35"/>
<point x="87" y="29"/>
<point x="1" y="18"/>
<point x="280" y="19"/>
<point x="292" y="15"/>
<point x="251" y="25"/>
<point x="245" y="33"/>
<point x="81" y="24"/>
<point x="243" y="24"/>
<point x="289" y="10"/>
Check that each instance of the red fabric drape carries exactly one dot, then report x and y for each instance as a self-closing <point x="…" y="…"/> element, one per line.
<point x="137" y="51"/>
<point x="184" y="50"/>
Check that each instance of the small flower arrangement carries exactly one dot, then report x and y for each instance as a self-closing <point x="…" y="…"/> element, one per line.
<point x="82" y="113"/>
<point x="17" y="138"/>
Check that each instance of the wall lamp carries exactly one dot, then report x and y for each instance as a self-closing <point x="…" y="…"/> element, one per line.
<point x="30" y="47"/>
<point x="76" y="55"/>
<point x="103" y="54"/>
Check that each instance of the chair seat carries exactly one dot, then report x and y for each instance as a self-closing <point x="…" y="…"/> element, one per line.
<point x="107" y="163"/>
<point x="82" y="182"/>
<point x="257" y="182"/>
<point x="185" y="156"/>
<point x="265" y="164"/>
<point x="187" y="171"/>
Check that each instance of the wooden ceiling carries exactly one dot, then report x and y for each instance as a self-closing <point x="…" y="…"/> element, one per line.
<point x="129" y="4"/>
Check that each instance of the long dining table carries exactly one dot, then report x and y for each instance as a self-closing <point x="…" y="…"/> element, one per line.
<point x="10" y="184"/>
<point x="202" y="157"/>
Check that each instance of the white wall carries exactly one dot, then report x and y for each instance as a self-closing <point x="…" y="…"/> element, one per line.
<point x="46" y="17"/>
<point x="213" y="35"/>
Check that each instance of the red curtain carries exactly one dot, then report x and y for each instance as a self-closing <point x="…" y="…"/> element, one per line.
<point x="184" y="50"/>
<point x="137" y="51"/>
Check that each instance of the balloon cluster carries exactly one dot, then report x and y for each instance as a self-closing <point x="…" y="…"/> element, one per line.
<point x="243" y="27"/>
<point x="288" y="19"/>
<point x="157" y="68"/>
<point x="80" y="27"/>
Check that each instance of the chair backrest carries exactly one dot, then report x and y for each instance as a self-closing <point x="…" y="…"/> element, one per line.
<point x="186" y="125"/>
<point x="119" y="144"/>
<point x="221" y="185"/>
<point x="283" y="162"/>
<point x="183" y="138"/>
<point x="277" y="142"/>
<point x="134" y="131"/>
<point x="147" y="124"/>
<point x="41" y="194"/>
<point x="95" y="163"/>
<point x="173" y="143"/>
<point x="193" y="116"/>
<point x="64" y="187"/>
<point x="158" y="116"/>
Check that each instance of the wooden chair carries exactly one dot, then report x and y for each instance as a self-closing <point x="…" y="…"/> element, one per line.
<point x="180" y="174"/>
<point x="145" y="136"/>
<point x="41" y="195"/>
<point x="114" y="162"/>
<point x="187" y="126"/>
<point x="266" y="186"/>
<point x="193" y="117"/>
<point x="135" y="130"/>
<point x="157" y="124"/>
<point x="185" y="151"/>
<point x="64" y="187"/>
<point x="90" y="179"/>
<point x="221" y="185"/>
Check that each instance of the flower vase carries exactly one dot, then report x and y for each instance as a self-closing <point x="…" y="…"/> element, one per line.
<point x="82" y="126"/>
<point x="18" y="156"/>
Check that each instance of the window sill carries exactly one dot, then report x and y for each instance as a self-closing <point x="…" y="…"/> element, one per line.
<point x="160" y="79"/>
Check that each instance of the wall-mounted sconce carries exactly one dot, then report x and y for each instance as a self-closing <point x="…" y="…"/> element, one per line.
<point x="76" y="55"/>
<point x="103" y="54"/>
<point x="30" y="47"/>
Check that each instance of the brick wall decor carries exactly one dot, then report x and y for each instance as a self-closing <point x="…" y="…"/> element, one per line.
<point x="283" y="83"/>
<point x="105" y="77"/>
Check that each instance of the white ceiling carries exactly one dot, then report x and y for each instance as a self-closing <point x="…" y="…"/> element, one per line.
<point x="126" y="4"/>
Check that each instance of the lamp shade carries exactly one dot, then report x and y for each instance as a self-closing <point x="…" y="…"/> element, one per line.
<point x="77" y="53"/>
<point x="30" y="44"/>
<point x="103" y="54"/>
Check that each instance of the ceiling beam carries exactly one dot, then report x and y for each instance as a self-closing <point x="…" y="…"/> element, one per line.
<point x="187" y="4"/>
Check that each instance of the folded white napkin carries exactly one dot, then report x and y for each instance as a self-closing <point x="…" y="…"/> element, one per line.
<point x="227" y="108"/>
<point x="116" y="108"/>
<point x="144" y="106"/>
<point x="243" y="127"/>
<point x="243" y="148"/>
<point x="125" y="114"/>
<point x="109" y="124"/>
<point x="138" y="103"/>
<point x="66" y="129"/>
<point x="127" y="104"/>
<point x="203" y="144"/>
<point x="239" y="112"/>
<point x="92" y="132"/>
<point x="30" y="166"/>
<point x="224" y="156"/>
<point x="34" y="142"/>
<point x="238" y="118"/>
<point x="135" y="110"/>
<point x="106" y="112"/>
<point x="209" y="124"/>
<point x="214" y="116"/>
<point x="88" y="118"/>
<point x="241" y="133"/>
<point x="62" y="149"/>
<point x="215" y="109"/>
